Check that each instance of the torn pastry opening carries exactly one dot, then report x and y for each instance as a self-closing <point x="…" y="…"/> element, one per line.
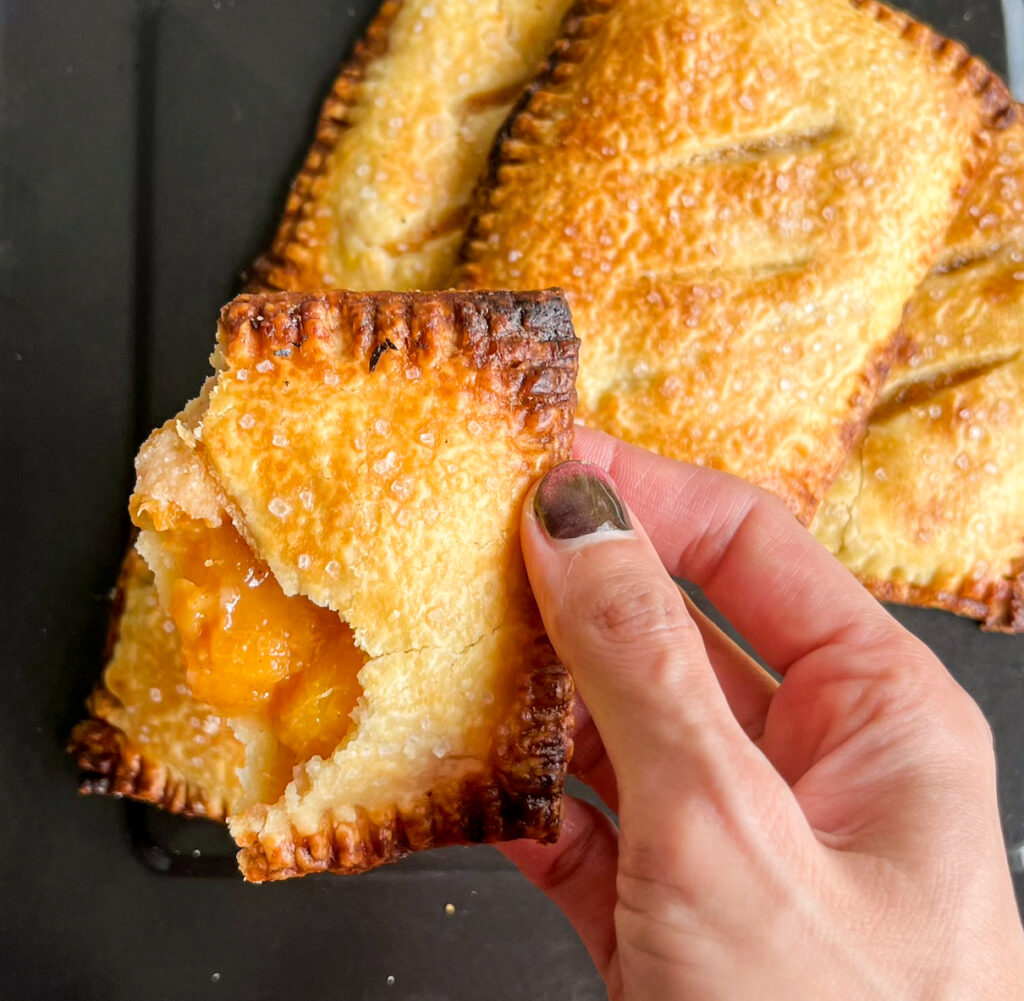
<point x="282" y="665"/>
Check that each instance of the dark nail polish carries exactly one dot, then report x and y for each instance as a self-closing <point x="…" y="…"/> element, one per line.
<point x="577" y="499"/>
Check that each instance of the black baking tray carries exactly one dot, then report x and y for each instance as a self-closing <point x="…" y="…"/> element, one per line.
<point x="145" y="151"/>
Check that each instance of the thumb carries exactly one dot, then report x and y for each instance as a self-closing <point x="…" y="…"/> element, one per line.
<point x="621" y="625"/>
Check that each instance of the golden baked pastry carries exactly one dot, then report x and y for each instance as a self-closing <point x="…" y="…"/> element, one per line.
<point x="929" y="509"/>
<point x="738" y="197"/>
<point x="148" y="737"/>
<point x="382" y="200"/>
<point x="333" y="528"/>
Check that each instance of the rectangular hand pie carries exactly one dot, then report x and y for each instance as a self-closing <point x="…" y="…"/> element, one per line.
<point x="929" y="508"/>
<point x="738" y="197"/>
<point x="333" y="528"/>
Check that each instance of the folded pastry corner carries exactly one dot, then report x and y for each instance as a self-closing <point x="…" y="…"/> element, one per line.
<point x="333" y="530"/>
<point x="929" y="508"/>
<point x="739" y="198"/>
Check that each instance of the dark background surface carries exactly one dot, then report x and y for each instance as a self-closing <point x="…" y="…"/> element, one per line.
<point x="145" y="151"/>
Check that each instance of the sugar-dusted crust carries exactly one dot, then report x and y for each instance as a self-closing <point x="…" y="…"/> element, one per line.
<point x="929" y="509"/>
<point x="374" y="449"/>
<point x="517" y="796"/>
<point x="382" y="199"/>
<point x="151" y="740"/>
<point x="738" y="199"/>
<point x="110" y="765"/>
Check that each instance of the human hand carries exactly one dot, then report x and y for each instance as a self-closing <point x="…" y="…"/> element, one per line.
<point x="833" y="837"/>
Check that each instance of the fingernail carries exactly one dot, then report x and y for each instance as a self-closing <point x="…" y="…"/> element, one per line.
<point x="577" y="499"/>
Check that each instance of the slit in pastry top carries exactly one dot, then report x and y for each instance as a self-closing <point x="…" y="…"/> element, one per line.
<point x="738" y="199"/>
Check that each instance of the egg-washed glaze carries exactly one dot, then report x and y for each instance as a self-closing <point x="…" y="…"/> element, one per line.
<point x="738" y="198"/>
<point x="383" y="198"/>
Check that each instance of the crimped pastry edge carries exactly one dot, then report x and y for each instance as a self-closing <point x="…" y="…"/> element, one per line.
<point x="997" y="603"/>
<point x="997" y="101"/>
<point x="521" y="344"/>
<point x="520" y="796"/>
<point x="274" y="270"/>
<point x="111" y="765"/>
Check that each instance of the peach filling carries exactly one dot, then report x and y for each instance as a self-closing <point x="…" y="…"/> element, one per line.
<point x="249" y="649"/>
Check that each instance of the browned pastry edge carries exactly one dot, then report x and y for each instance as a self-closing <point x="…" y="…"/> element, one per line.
<point x="521" y="344"/>
<point x="110" y="765"/>
<point x="584" y="20"/>
<point x="519" y="797"/>
<point x="996" y="100"/>
<point x="997" y="605"/>
<point x="273" y="270"/>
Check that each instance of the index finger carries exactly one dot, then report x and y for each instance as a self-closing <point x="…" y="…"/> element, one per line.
<point x="766" y="574"/>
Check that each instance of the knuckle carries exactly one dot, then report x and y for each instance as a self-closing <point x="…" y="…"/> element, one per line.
<point x="631" y="608"/>
<point x="952" y="726"/>
<point x="971" y="724"/>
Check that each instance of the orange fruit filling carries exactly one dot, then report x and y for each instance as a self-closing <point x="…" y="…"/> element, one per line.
<point x="249" y="648"/>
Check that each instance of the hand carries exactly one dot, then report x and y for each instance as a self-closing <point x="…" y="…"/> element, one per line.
<point x="832" y="837"/>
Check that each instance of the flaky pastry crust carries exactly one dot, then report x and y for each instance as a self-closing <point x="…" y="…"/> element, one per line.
<point x="516" y="796"/>
<point x="738" y="200"/>
<point x="382" y="200"/>
<point x="929" y="509"/>
<point x="373" y="450"/>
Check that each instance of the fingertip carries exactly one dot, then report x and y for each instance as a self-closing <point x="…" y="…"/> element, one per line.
<point x="578" y="502"/>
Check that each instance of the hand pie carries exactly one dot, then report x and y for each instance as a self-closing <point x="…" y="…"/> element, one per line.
<point x="738" y="197"/>
<point x="929" y="509"/>
<point x="382" y="200"/>
<point x="333" y="528"/>
<point x="148" y="737"/>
